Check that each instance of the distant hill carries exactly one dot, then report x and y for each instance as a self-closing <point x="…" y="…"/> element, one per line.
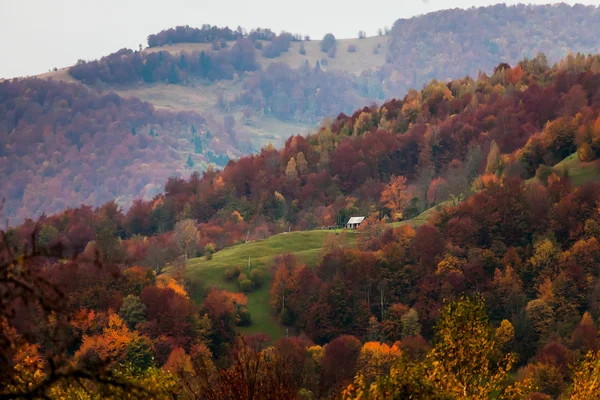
<point x="62" y="144"/>
<point x="268" y="84"/>
<point x="253" y="88"/>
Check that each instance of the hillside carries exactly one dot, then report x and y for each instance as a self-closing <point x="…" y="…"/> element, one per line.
<point x="62" y="145"/>
<point x="255" y="88"/>
<point x="458" y="251"/>
<point x="307" y="247"/>
<point x="432" y="46"/>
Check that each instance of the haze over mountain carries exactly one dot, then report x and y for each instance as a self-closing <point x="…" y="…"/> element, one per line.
<point x="244" y="214"/>
<point x="251" y="89"/>
<point x="58" y="33"/>
<point x="178" y="295"/>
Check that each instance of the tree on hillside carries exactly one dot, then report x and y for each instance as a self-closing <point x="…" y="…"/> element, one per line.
<point x="328" y="43"/>
<point x="185" y="235"/>
<point x="395" y="196"/>
<point x="462" y="357"/>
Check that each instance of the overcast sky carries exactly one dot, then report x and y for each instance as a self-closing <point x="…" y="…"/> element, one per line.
<point x="37" y="35"/>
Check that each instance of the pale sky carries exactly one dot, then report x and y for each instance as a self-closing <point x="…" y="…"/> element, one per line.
<point x="37" y="35"/>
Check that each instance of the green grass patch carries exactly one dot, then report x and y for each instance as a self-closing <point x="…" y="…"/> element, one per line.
<point x="305" y="245"/>
<point x="578" y="171"/>
<point x="419" y="220"/>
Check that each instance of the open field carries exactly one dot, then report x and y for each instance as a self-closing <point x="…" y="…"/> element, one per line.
<point x="578" y="171"/>
<point x="363" y="59"/>
<point x="260" y="130"/>
<point x="306" y="246"/>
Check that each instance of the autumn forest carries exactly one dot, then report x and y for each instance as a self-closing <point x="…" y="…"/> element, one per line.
<point x="157" y="253"/>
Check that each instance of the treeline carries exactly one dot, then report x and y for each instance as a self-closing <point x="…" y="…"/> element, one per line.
<point x="382" y="318"/>
<point x="63" y="144"/>
<point x="210" y="34"/>
<point x="520" y="121"/>
<point x="305" y="94"/>
<point x="456" y="43"/>
<point x="127" y="67"/>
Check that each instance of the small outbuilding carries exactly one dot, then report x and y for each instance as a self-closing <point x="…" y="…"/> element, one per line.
<point x="354" y="222"/>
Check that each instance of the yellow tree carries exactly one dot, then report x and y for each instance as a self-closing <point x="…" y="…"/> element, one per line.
<point x="185" y="235"/>
<point x="493" y="159"/>
<point x="291" y="172"/>
<point x="586" y="380"/>
<point x="395" y="196"/>
<point x="461" y="357"/>
<point x="301" y="163"/>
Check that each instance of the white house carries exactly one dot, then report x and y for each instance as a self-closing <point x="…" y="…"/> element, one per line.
<point x="354" y="222"/>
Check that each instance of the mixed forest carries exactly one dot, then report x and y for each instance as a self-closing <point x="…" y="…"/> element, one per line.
<point x="496" y="295"/>
<point x="232" y="91"/>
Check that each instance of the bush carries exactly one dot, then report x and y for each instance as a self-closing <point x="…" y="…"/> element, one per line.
<point x="543" y="172"/>
<point x="331" y="52"/>
<point x="257" y="277"/>
<point x="586" y="153"/>
<point x="328" y="43"/>
<point x="324" y="62"/>
<point x="351" y="48"/>
<point x="246" y="285"/>
<point x="258" y="45"/>
<point x="302" y="50"/>
<point x="209" y="249"/>
<point x="244" y="318"/>
<point x="229" y="274"/>
<point x="285" y="317"/>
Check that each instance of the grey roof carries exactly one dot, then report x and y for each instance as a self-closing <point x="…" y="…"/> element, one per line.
<point x="356" y="220"/>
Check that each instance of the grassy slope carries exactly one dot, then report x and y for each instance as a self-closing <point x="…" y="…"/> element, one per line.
<point x="305" y="245"/>
<point x="580" y="172"/>
<point x="356" y="62"/>
<point x="261" y="130"/>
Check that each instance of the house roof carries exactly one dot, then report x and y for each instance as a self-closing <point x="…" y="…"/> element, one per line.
<point x="356" y="220"/>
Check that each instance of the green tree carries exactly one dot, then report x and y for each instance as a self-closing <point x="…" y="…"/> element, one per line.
<point x="139" y="353"/>
<point x="133" y="311"/>
<point x="410" y="323"/>
<point x="46" y="236"/>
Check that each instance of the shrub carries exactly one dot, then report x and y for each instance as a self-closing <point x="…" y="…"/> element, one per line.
<point x="543" y="172"/>
<point x="302" y="50"/>
<point x="244" y="317"/>
<point x="351" y="48"/>
<point x="257" y="277"/>
<point x="246" y="285"/>
<point x="586" y="153"/>
<point x="258" y="45"/>
<point x="331" y="52"/>
<point x="328" y="43"/>
<point x="285" y="317"/>
<point x="229" y="274"/>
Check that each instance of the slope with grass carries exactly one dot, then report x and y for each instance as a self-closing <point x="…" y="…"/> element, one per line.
<point x="369" y="53"/>
<point x="578" y="171"/>
<point x="306" y="246"/>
